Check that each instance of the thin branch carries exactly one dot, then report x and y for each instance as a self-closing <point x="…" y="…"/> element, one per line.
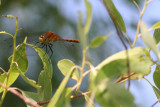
<point x="43" y="102"/>
<point x="139" y="35"/>
<point x="3" y="70"/>
<point x="137" y="6"/>
<point x="25" y="99"/>
<point x="71" y="97"/>
<point x="124" y="77"/>
<point x="119" y="33"/>
<point x="129" y="40"/>
<point x="155" y="103"/>
<point x="80" y="95"/>
<point x="149" y="1"/>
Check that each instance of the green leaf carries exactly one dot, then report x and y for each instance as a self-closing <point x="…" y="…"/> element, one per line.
<point x="116" y="64"/>
<point x="156" y="76"/>
<point x="89" y="17"/>
<point x="64" y="101"/>
<point x="113" y="95"/>
<point x="83" y="30"/>
<point x="98" y="41"/>
<point x="31" y="95"/>
<point x="4" y="32"/>
<point x="47" y="65"/>
<point x="115" y="15"/>
<point x="156" y="91"/>
<point x="148" y="39"/>
<point x="45" y="92"/>
<point x="157" y="35"/>
<point x="20" y="61"/>
<point x="89" y="101"/>
<point x="156" y="26"/>
<point x="65" y="66"/>
<point x="29" y="81"/>
<point x="21" y="57"/>
<point x="9" y="16"/>
<point x="44" y="79"/>
<point x="60" y="90"/>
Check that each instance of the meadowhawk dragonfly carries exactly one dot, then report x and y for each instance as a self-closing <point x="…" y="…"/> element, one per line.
<point x="46" y="39"/>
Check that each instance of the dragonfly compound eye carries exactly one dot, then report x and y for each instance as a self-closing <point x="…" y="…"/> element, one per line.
<point x="41" y="39"/>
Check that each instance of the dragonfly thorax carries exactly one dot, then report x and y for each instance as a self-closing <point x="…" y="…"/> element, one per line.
<point x="43" y="40"/>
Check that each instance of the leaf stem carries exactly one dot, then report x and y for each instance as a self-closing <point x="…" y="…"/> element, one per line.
<point x="11" y="66"/>
<point x="81" y="70"/>
<point x="139" y="23"/>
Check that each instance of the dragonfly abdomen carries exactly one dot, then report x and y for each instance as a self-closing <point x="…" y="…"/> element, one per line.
<point x="71" y="40"/>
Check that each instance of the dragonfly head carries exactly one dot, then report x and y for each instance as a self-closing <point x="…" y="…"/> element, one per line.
<point x="42" y="39"/>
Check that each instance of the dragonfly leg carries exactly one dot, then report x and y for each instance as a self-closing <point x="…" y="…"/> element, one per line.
<point x="50" y="47"/>
<point x="37" y="43"/>
<point x="46" y="49"/>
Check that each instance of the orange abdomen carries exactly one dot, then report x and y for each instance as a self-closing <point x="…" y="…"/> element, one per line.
<point x="71" y="40"/>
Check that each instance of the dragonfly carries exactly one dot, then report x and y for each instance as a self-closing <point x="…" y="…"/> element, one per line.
<point x="46" y="40"/>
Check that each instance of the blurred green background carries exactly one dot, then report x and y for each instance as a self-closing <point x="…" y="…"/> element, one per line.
<point x="61" y="16"/>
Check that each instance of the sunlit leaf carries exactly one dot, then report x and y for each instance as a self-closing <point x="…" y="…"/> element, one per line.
<point x="156" y="76"/>
<point x="148" y="39"/>
<point x="156" y="26"/>
<point x="31" y="95"/>
<point x="156" y="91"/>
<point x="116" y="64"/>
<point x="84" y="29"/>
<point x="45" y="92"/>
<point x="64" y="101"/>
<point x="3" y="80"/>
<point x="9" y="16"/>
<point x="89" y="101"/>
<point x="89" y="17"/>
<point x="115" y="15"/>
<point x="98" y="41"/>
<point x="157" y="35"/>
<point x="113" y="95"/>
<point x="47" y="65"/>
<point x="20" y="62"/>
<point x="60" y="90"/>
<point x="44" y="79"/>
<point x="65" y="66"/>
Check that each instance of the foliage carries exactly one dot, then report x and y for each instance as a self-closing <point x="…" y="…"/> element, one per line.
<point x="103" y="88"/>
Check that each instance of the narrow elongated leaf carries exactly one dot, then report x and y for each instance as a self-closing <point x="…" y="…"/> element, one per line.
<point x="156" y="26"/>
<point x="115" y="15"/>
<point x="64" y="101"/>
<point x="84" y="29"/>
<point x="156" y="76"/>
<point x="89" y="101"/>
<point x="65" y="66"/>
<point x="47" y="65"/>
<point x="98" y="41"/>
<point x="89" y="17"/>
<point x="44" y="79"/>
<point x="157" y="35"/>
<point x="156" y="91"/>
<point x="115" y="65"/>
<point x="148" y="39"/>
<point x="9" y="16"/>
<point x="60" y="90"/>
